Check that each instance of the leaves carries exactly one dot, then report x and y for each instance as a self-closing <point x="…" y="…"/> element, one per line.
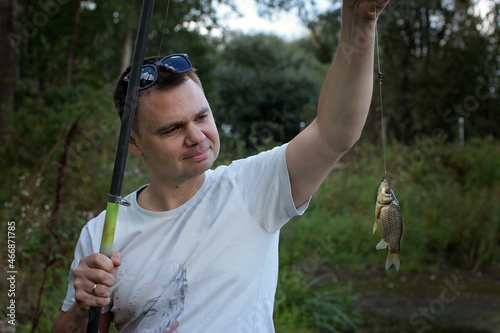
<point x="267" y="87"/>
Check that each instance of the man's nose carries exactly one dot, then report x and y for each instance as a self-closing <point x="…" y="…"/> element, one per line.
<point x="194" y="135"/>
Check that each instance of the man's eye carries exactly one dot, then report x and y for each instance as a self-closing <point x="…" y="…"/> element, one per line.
<point x="170" y="130"/>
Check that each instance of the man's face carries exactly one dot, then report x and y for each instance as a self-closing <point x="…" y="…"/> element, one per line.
<point x="178" y="136"/>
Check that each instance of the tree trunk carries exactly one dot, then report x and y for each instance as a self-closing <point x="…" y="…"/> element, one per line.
<point x="7" y="66"/>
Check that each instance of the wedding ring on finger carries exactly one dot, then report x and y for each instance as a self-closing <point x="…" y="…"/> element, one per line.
<point x="93" y="289"/>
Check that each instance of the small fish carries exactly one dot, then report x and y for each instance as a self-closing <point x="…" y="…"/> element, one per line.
<point x="389" y="222"/>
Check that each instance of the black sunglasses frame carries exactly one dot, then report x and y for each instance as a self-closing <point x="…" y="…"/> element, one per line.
<point x="149" y="72"/>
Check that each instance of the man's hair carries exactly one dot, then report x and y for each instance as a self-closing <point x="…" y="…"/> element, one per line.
<point x="167" y="79"/>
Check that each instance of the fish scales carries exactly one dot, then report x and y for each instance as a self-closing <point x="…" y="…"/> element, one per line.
<point x="389" y="221"/>
<point x="391" y="227"/>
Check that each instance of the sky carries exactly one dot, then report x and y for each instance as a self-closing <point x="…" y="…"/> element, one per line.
<point x="286" y="25"/>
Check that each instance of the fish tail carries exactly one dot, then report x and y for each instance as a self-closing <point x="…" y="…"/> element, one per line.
<point x="392" y="259"/>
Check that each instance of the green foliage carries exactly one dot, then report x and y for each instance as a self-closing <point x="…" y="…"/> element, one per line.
<point x="267" y="87"/>
<point x="449" y="198"/>
<point x="426" y="43"/>
<point x="306" y="303"/>
<point x="439" y="62"/>
<point x="458" y="207"/>
<point x="324" y="35"/>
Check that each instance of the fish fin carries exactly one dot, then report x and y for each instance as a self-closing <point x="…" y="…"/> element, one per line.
<point x="393" y="196"/>
<point x="392" y="259"/>
<point x="381" y="245"/>
<point x="375" y="226"/>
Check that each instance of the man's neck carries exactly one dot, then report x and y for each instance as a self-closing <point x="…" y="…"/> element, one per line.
<point x="159" y="197"/>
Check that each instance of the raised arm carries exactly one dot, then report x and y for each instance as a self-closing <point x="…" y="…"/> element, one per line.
<point x="343" y="104"/>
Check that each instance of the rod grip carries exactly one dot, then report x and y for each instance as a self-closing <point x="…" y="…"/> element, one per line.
<point x="94" y="319"/>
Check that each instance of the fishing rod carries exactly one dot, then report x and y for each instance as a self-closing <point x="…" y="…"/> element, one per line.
<point x="114" y="196"/>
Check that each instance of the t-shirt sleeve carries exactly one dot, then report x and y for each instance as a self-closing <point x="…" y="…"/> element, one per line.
<point x="264" y="184"/>
<point x="88" y="243"/>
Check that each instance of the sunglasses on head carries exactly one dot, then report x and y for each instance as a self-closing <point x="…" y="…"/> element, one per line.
<point x="177" y="62"/>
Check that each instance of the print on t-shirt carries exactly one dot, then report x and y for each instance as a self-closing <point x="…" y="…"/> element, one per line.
<point x="165" y="289"/>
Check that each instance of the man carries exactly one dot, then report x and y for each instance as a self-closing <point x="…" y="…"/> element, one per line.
<point x="197" y="250"/>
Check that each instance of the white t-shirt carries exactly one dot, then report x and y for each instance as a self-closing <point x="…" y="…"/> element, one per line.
<point x="210" y="265"/>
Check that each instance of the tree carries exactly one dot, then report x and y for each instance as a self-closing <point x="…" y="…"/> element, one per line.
<point x="440" y="61"/>
<point x="433" y="57"/>
<point x="267" y="87"/>
<point x="7" y="66"/>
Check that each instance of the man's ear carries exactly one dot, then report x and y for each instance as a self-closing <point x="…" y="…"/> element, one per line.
<point x="134" y="145"/>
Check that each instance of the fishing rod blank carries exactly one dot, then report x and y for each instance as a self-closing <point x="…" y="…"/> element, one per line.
<point x="114" y="197"/>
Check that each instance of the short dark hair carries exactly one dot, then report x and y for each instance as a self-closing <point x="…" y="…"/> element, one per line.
<point x="167" y="78"/>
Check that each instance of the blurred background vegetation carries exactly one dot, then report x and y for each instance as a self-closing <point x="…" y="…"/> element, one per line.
<point x="440" y="62"/>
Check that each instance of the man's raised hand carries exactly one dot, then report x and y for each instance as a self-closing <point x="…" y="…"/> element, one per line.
<point x="369" y="10"/>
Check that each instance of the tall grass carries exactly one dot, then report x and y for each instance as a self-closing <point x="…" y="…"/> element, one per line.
<point x="450" y="199"/>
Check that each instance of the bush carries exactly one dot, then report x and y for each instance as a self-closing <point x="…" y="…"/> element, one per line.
<point x="448" y="196"/>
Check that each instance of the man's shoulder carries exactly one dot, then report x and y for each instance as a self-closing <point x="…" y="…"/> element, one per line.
<point x="266" y="155"/>
<point x="98" y="220"/>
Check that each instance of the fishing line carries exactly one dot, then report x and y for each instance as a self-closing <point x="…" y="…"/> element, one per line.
<point x="382" y="125"/>
<point x="164" y="27"/>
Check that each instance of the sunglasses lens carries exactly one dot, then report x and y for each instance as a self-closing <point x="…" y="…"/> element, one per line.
<point x="178" y="63"/>
<point x="148" y="76"/>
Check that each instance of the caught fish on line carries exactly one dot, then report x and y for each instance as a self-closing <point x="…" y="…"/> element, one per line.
<point x="388" y="217"/>
<point x="389" y="222"/>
